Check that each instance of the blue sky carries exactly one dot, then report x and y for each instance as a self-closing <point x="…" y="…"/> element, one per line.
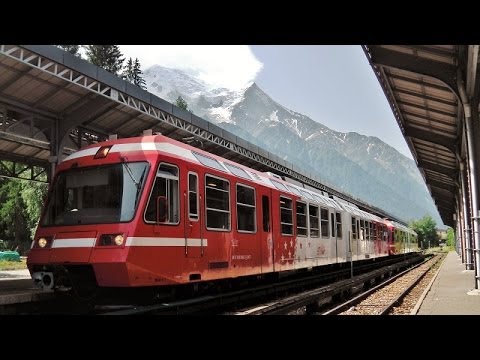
<point x="333" y="85"/>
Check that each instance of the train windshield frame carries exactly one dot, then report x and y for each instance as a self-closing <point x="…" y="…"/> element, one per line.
<point x="96" y="195"/>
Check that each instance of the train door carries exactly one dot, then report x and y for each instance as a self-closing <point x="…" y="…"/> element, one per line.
<point x="362" y="238"/>
<point x="333" y="234"/>
<point x="341" y="238"/>
<point x="194" y="219"/>
<point x="359" y="240"/>
<point x="354" y="236"/>
<point x="245" y="250"/>
<point x="391" y="241"/>
<point x="347" y="236"/>
<point x="375" y="239"/>
<point x="302" y="253"/>
<point x="266" y="238"/>
<point x="385" y="239"/>
<point x="284" y="247"/>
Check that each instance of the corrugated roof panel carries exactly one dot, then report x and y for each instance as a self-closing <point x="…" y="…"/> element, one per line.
<point x="431" y="115"/>
<point x="441" y="57"/>
<point x="420" y="100"/>
<point x="429" y="122"/>
<point x="21" y="86"/>
<point x="61" y="102"/>
<point x="400" y="48"/>
<point x="436" y="158"/>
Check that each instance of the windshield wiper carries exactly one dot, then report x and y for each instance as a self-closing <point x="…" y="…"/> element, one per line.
<point x="139" y="184"/>
<point x="129" y="171"/>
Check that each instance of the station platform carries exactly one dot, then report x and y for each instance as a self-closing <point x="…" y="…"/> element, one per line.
<point x="449" y="294"/>
<point x="16" y="286"/>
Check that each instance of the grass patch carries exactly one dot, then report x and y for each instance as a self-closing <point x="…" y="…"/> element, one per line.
<point x="13" y="265"/>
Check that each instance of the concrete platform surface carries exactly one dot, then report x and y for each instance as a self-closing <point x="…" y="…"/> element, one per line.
<point x="449" y="292"/>
<point x="16" y="286"/>
<point x="14" y="274"/>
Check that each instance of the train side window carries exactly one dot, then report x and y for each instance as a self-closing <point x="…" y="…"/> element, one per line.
<point x="367" y="230"/>
<point x="164" y="193"/>
<point x="301" y="219"/>
<point x="314" y="220"/>
<point x="192" y="196"/>
<point x="362" y="230"/>
<point x="286" y="215"/>
<point x="339" y="225"/>
<point x="217" y="200"/>
<point x="354" y="228"/>
<point x="246" y="209"/>
<point x="324" y="219"/>
<point x="266" y="213"/>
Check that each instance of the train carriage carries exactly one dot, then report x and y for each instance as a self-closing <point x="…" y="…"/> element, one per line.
<point x="151" y="211"/>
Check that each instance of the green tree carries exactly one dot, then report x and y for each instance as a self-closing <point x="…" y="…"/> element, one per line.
<point x="426" y="230"/>
<point x="20" y="207"/>
<point x="72" y="49"/>
<point x="450" y="237"/>
<point x="108" y="57"/>
<point x="127" y="73"/>
<point x="133" y="73"/>
<point x="181" y="103"/>
<point x="12" y="218"/>
<point x="137" y="75"/>
<point x="33" y="195"/>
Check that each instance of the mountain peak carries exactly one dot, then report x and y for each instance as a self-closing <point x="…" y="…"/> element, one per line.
<point x="363" y="166"/>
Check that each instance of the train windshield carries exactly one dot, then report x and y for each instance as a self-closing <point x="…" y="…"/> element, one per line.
<point x="103" y="194"/>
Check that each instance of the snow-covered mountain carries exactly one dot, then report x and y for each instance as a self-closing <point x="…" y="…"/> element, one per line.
<point x="362" y="166"/>
<point x="214" y="104"/>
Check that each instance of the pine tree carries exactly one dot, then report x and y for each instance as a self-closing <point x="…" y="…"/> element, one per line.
<point x="137" y="75"/>
<point x="108" y="57"/>
<point x="133" y="73"/>
<point x="72" y="49"/>
<point x="127" y="73"/>
<point x="181" y="103"/>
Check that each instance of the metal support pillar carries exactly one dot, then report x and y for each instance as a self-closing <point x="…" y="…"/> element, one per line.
<point x="466" y="100"/>
<point x="466" y="223"/>
<point x="459" y="229"/>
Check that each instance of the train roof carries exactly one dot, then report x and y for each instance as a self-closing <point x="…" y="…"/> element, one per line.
<point x="404" y="228"/>
<point x="202" y="157"/>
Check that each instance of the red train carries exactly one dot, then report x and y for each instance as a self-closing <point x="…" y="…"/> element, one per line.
<point x="151" y="211"/>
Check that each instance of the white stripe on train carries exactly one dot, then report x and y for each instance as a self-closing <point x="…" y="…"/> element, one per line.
<point x="156" y="241"/>
<point x="144" y="146"/>
<point x="131" y="241"/>
<point x="77" y="242"/>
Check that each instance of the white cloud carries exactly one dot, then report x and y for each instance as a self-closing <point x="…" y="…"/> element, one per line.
<point x="230" y="66"/>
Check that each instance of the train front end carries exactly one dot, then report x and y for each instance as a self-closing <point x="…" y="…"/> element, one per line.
<point x="92" y="207"/>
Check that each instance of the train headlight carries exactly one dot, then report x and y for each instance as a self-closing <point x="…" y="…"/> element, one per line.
<point x="118" y="239"/>
<point x="42" y="242"/>
<point x="111" y="240"/>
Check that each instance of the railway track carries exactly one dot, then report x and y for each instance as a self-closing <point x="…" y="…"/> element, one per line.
<point x="383" y="298"/>
<point x="310" y="301"/>
<point x="278" y="297"/>
<point x="304" y="291"/>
